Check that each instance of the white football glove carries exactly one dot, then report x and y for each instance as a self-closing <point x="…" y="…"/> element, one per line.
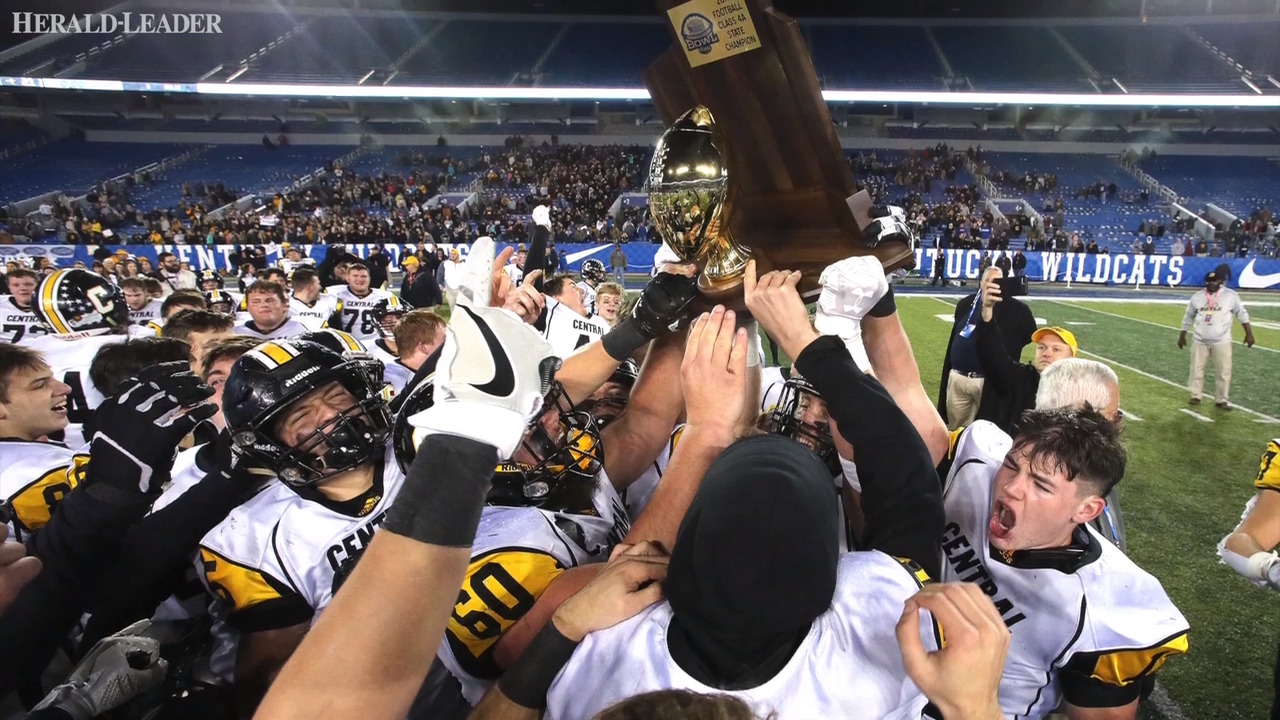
<point x="477" y="272"/>
<point x="542" y="216"/>
<point x="118" y="669"/>
<point x="850" y="288"/>
<point x="492" y="375"/>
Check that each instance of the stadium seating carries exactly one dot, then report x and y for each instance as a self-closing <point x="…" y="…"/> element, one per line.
<point x="245" y="169"/>
<point x="994" y="58"/>
<point x="848" y="56"/>
<point x="1151" y="58"/>
<point x="1238" y="185"/>
<point x="75" y="166"/>
<point x="605" y="54"/>
<point x="158" y="57"/>
<point x="1252" y="45"/>
<point x="481" y="52"/>
<point x="337" y="49"/>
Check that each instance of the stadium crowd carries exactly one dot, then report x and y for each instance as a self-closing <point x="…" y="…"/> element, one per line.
<point x="532" y="495"/>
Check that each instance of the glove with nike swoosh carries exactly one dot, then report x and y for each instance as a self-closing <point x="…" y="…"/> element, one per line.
<point x="493" y="372"/>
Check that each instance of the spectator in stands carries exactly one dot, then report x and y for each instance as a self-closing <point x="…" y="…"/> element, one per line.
<point x="1149" y="246"/>
<point x="1178" y="248"/>
<point x="1210" y="312"/>
<point x="1202" y="248"/>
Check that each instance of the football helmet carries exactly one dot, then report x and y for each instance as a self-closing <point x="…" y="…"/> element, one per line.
<point x="265" y="382"/>
<point x="210" y="280"/>
<point x="80" y="302"/>
<point x="560" y="446"/>
<point x="607" y="403"/>
<point x="387" y="314"/>
<point x="220" y="301"/>
<point x="801" y="415"/>
<point x="593" y="270"/>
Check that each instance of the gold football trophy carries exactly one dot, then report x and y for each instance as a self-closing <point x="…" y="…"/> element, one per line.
<point x="689" y="201"/>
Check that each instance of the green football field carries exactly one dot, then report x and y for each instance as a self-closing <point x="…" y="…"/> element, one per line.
<point x="1188" y="480"/>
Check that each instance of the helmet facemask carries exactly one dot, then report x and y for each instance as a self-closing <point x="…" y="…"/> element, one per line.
<point x="558" y="452"/>
<point x="801" y="415"/>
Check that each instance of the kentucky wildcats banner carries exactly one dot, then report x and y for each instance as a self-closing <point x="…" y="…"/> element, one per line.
<point x="1166" y="270"/>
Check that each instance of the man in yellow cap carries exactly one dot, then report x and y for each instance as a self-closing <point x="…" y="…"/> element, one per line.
<point x="1010" y="386"/>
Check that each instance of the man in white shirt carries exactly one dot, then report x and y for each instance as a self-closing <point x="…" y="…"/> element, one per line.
<point x="1210" y="311"/>
<point x="268" y="314"/>
<point x="308" y="304"/>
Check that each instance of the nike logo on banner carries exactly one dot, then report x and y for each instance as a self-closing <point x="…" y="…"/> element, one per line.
<point x="1251" y="280"/>
<point x="504" y="378"/>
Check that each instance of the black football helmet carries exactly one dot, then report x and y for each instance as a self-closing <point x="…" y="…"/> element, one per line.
<point x="571" y="451"/>
<point x="798" y="417"/>
<point x="80" y="302"/>
<point x="265" y="382"/>
<point x="210" y="280"/>
<point x="387" y="314"/>
<point x="612" y="400"/>
<point x="593" y="270"/>
<point x="220" y="301"/>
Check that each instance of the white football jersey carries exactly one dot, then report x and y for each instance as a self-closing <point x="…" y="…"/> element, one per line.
<point x="772" y="381"/>
<point x="515" y="273"/>
<point x="848" y="666"/>
<point x="34" y="477"/>
<point x="278" y="559"/>
<point x="149" y="312"/>
<point x="70" y="359"/>
<point x="289" y="329"/>
<point x="357" y="312"/>
<point x="517" y="553"/>
<point x="184" y="474"/>
<point x="588" y="296"/>
<point x="1090" y="611"/>
<point x="18" y="323"/>
<point x="316" y="315"/>
<point x="567" y="331"/>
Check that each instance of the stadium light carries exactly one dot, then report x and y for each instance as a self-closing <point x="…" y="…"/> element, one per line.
<point x="286" y="90"/>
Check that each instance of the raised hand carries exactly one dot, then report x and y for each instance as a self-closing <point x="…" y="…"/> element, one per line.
<point x="775" y="303"/>
<point x="629" y="583"/>
<point x="714" y="374"/>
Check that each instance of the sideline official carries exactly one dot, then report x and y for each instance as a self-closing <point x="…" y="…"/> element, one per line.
<point x="1209" y="312"/>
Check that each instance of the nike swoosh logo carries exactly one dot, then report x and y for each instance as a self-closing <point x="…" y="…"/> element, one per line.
<point x="504" y="378"/>
<point x="1251" y="280"/>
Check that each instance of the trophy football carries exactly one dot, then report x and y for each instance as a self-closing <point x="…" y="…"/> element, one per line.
<point x="750" y="166"/>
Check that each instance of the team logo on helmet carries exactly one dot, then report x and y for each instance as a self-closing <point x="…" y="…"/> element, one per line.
<point x="80" y="302"/>
<point x="593" y="269"/>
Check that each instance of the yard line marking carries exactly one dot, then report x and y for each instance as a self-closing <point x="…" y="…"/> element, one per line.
<point x="1166" y="381"/>
<point x="1195" y="415"/>
<point x="1165" y="704"/>
<point x="1081" y="323"/>
<point x="1130" y="416"/>
<point x="1144" y="322"/>
<point x="1267" y="422"/>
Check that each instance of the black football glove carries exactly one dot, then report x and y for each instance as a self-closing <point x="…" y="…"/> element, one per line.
<point x="139" y="427"/>
<point x="888" y="225"/>
<point x="664" y="305"/>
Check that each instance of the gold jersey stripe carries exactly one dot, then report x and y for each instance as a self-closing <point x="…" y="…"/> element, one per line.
<point x="1123" y="667"/>
<point x="1268" y="469"/>
<point x="238" y="585"/>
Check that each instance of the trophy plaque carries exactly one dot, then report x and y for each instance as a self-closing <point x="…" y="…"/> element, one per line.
<point x="741" y="101"/>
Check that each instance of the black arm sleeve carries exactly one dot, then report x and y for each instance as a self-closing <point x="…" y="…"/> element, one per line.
<point x="997" y="368"/>
<point x="901" y="498"/>
<point x="156" y="554"/>
<point x="537" y="257"/>
<point x="81" y="540"/>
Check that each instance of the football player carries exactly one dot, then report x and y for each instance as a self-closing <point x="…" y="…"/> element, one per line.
<point x="222" y="302"/>
<point x="593" y="273"/>
<point x="356" y="304"/>
<point x="1250" y="549"/>
<point x="84" y="313"/>
<point x="35" y="474"/>
<point x="1090" y="628"/>
<point x="142" y="307"/>
<point x="318" y="420"/>
<point x="308" y="304"/>
<point x="210" y="280"/>
<point x="268" y="313"/>
<point x="20" y="319"/>
<point x="417" y="336"/>
<point x="566" y="323"/>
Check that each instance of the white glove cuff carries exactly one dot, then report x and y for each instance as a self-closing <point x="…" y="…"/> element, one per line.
<point x="850" y="473"/>
<point x="755" y="346"/>
<point x="499" y="427"/>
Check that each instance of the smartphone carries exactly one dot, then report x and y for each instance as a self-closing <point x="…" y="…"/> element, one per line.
<point x="1012" y="286"/>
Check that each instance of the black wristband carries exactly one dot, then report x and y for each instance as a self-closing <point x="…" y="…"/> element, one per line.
<point x="527" y="681"/>
<point x="443" y="492"/>
<point x="886" y="306"/>
<point x="622" y="341"/>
